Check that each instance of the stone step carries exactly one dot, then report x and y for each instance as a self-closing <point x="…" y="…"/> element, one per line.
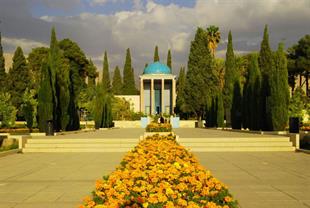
<point x="79" y="141"/>
<point x="29" y="150"/>
<point x="242" y="149"/>
<point x="233" y="139"/>
<point x="238" y="144"/>
<point x="79" y="145"/>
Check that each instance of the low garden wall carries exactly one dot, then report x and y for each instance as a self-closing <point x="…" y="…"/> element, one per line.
<point x="127" y="124"/>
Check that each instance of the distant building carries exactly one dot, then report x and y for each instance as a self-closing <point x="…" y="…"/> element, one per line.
<point x="157" y="89"/>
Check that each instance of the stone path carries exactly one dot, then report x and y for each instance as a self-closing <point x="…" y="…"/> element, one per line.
<point x="257" y="180"/>
<point x="51" y="180"/>
<point x="263" y="179"/>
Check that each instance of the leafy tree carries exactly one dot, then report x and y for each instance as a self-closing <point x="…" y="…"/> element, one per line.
<point x="298" y="104"/>
<point x="220" y="72"/>
<point x="78" y="66"/>
<point x="252" y="106"/>
<point x="169" y="61"/>
<point x="214" y="37"/>
<point x="29" y="108"/>
<point x="3" y="74"/>
<point x="106" y="83"/>
<point x="19" y="79"/>
<point x="117" y="84"/>
<point x="279" y="99"/>
<point x="129" y="87"/>
<point x="299" y="61"/>
<point x="180" y="101"/>
<point x="120" y="109"/>
<point x="230" y="78"/>
<point x="92" y="74"/>
<point x="7" y="110"/>
<point x="201" y="81"/>
<point x="236" y="108"/>
<point x="86" y="100"/>
<point x="266" y="65"/>
<point x="156" y="56"/>
<point x="36" y="58"/>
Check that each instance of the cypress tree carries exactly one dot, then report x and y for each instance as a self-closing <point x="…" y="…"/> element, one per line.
<point x="156" y="56"/>
<point x="236" y="109"/>
<point x="19" y="78"/>
<point x="252" y="95"/>
<point x="129" y="87"/>
<point x="201" y="83"/>
<point x="230" y="77"/>
<point x="45" y="98"/>
<point x="61" y="69"/>
<point x="102" y="108"/>
<point x="117" y="84"/>
<point x="2" y="69"/>
<point x="105" y="73"/>
<point x="279" y="99"/>
<point x="169" y="61"/>
<point x="62" y="92"/>
<point x="266" y="66"/>
<point x="220" y="110"/>
<point x="55" y="81"/>
<point x="180" y="101"/>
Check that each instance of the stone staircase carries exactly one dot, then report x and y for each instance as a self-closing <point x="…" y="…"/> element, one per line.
<point x="247" y="144"/>
<point x="218" y="144"/>
<point x="80" y="145"/>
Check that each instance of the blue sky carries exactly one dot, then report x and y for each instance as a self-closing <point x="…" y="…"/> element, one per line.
<point x="115" y="25"/>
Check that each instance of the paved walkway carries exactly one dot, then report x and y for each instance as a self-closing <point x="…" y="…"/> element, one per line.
<point x="263" y="179"/>
<point x="257" y="180"/>
<point x="51" y="180"/>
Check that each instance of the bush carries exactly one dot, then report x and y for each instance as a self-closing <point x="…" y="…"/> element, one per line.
<point x="7" y="110"/>
<point x="158" y="127"/>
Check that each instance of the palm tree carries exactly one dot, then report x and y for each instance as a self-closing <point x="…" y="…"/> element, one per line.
<point x="214" y="37"/>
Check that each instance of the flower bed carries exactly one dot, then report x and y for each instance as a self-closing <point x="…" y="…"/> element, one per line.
<point x="159" y="173"/>
<point x="159" y="127"/>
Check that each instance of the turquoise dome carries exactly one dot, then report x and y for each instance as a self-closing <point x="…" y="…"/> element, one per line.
<point x="157" y="68"/>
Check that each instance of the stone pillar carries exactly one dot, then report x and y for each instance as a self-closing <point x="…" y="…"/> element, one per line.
<point x="173" y="95"/>
<point x="152" y="97"/>
<point x="142" y="108"/>
<point x="162" y="96"/>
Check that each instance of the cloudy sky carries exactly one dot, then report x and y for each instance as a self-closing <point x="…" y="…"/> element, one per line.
<point x="114" y="25"/>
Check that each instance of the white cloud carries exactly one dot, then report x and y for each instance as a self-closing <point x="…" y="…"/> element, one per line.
<point x="102" y="2"/>
<point x="98" y="2"/>
<point x="25" y="44"/>
<point x="179" y="41"/>
<point x="173" y="26"/>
